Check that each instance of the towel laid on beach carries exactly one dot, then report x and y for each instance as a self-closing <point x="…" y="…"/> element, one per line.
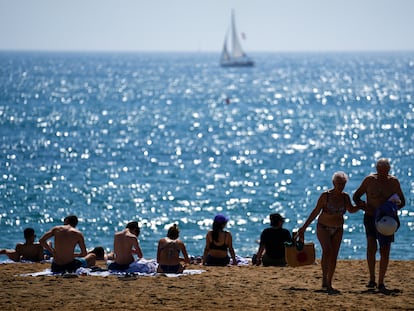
<point x="142" y="267"/>
<point x="105" y="273"/>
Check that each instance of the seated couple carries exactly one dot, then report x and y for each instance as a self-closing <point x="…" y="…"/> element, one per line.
<point x="169" y="248"/>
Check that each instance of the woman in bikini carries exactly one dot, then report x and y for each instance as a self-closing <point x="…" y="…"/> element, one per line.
<point x="168" y="253"/>
<point x="218" y="243"/>
<point x="331" y="207"/>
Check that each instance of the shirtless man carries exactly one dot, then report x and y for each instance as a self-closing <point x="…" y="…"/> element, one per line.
<point x="168" y="253"/>
<point x="378" y="188"/>
<point x="125" y="245"/>
<point x="29" y="250"/>
<point x="66" y="239"/>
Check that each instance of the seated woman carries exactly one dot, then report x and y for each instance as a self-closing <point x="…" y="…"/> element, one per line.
<point x="168" y="253"/>
<point x="218" y="243"/>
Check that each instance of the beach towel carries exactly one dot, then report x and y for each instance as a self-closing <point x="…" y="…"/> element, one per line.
<point x="142" y="267"/>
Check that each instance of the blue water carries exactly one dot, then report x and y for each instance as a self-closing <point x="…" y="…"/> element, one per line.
<point x="150" y="137"/>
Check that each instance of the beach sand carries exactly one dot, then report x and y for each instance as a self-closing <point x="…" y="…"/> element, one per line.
<point x="219" y="288"/>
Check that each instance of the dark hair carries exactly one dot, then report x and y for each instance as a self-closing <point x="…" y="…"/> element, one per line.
<point x="173" y="232"/>
<point x="71" y="220"/>
<point x="133" y="225"/>
<point x="99" y="252"/>
<point x="217" y="228"/>
<point x="275" y="219"/>
<point x="28" y="233"/>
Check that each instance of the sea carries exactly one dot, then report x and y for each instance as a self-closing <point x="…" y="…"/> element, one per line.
<point x="164" y="138"/>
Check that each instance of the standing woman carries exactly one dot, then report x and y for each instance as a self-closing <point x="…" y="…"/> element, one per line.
<point x="331" y="207"/>
<point x="218" y="243"/>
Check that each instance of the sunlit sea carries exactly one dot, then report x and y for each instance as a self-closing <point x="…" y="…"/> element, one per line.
<point x="175" y="138"/>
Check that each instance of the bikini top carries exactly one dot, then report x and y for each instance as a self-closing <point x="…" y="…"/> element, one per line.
<point x="222" y="247"/>
<point x="335" y="210"/>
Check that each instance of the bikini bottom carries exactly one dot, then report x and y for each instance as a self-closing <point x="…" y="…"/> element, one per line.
<point x="332" y="230"/>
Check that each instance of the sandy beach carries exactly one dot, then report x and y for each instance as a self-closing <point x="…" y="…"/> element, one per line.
<point x="218" y="288"/>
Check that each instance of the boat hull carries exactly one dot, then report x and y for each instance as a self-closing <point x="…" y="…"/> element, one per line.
<point x="244" y="63"/>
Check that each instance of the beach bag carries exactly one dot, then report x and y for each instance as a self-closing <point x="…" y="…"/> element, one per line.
<point x="299" y="254"/>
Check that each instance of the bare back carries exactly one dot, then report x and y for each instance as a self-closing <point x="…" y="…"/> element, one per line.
<point x="169" y="251"/>
<point x="125" y="245"/>
<point x="66" y="239"/>
<point x="31" y="252"/>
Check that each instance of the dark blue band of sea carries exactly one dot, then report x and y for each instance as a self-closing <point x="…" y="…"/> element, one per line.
<point x="174" y="138"/>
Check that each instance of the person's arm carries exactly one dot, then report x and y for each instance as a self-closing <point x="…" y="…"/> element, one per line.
<point x="349" y="207"/>
<point x="184" y="252"/>
<point x="259" y="254"/>
<point x="400" y="194"/>
<point x="231" y="249"/>
<point x="359" y="193"/>
<point x="137" y="249"/>
<point x="316" y="211"/>
<point x="206" y="248"/>
<point x="159" y="250"/>
<point x="45" y="245"/>
<point x="81" y="242"/>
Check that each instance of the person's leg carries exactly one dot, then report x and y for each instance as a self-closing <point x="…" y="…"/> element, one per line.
<point x="325" y="241"/>
<point x="385" y="256"/>
<point x="90" y="259"/>
<point x="371" y="234"/>
<point x="336" y="240"/>
<point x="371" y="252"/>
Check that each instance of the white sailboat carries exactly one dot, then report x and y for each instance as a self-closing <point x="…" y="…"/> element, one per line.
<point x="234" y="57"/>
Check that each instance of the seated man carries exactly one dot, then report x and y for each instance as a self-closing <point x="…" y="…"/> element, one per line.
<point x="66" y="239"/>
<point x="125" y="245"/>
<point x="29" y="250"/>
<point x="169" y="249"/>
<point x="272" y="243"/>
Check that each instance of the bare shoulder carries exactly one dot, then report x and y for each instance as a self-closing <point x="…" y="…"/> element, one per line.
<point x="38" y="246"/>
<point x="19" y="246"/>
<point x="370" y="179"/>
<point x="393" y="178"/>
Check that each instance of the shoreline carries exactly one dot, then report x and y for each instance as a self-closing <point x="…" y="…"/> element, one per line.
<point x="225" y="288"/>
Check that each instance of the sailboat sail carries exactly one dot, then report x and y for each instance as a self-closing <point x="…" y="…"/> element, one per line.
<point x="236" y="56"/>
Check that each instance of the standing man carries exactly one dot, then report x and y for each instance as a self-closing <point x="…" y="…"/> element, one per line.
<point x="378" y="188"/>
<point x="125" y="245"/>
<point x="272" y="243"/>
<point x="66" y="239"/>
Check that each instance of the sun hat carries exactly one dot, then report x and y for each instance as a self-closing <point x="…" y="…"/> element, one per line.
<point x="221" y="219"/>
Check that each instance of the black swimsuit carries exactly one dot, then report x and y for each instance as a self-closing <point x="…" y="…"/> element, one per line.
<point x="222" y="247"/>
<point x="218" y="261"/>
